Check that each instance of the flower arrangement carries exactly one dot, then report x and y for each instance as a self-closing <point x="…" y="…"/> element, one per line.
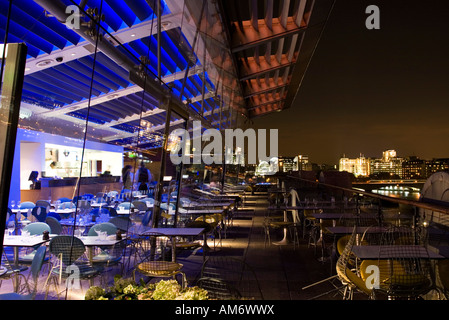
<point x="128" y="289"/>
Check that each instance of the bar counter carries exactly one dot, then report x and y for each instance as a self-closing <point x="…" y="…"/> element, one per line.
<point x="58" y="188"/>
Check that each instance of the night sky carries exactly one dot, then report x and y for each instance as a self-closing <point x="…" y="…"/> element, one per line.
<point x="367" y="91"/>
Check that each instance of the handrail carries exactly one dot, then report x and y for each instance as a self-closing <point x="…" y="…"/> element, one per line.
<point x="419" y="204"/>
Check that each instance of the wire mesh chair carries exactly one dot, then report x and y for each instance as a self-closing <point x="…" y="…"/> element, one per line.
<point x="12" y="272"/>
<point x="69" y="254"/>
<point x="155" y="259"/>
<point x="346" y="269"/>
<point x="228" y="278"/>
<point x="404" y="263"/>
<point x="29" y="289"/>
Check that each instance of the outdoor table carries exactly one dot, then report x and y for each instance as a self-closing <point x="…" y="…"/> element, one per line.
<point x="169" y="232"/>
<point x="95" y="241"/>
<point x="371" y="252"/>
<point x="18" y="241"/>
<point x="90" y="242"/>
<point x="3" y="270"/>
<point x="70" y="222"/>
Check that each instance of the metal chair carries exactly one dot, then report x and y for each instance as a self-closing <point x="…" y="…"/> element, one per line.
<point x="229" y="278"/>
<point x="407" y="275"/>
<point x="68" y="252"/>
<point x="344" y="265"/>
<point x="155" y="259"/>
<point x="30" y="288"/>
<point x="139" y="205"/>
<point x="107" y="256"/>
<point x="55" y="226"/>
<point x="43" y="203"/>
<point x="34" y="228"/>
<point x="40" y="213"/>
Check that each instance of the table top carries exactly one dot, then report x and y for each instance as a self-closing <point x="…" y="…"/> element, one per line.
<point x="301" y="207"/>
<point x="171" y="232"/>
<point x="348" y="230"/>
<point x="90" y="241"/>
<point x="64" y="211"/>
<point x="206" y="204"/>
<point x="71" y="222"/>
<point x="102" y="205"/>
<point x="17" y="210"/>
<point x="200" y="211"/>
<point x="23" y="241"/>
<point x="334" y="216"/>
<point x="395" y="251"/>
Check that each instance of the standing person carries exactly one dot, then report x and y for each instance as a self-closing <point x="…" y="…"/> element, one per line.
<point x="127" y="177"/>
<point x="143" y="177"/>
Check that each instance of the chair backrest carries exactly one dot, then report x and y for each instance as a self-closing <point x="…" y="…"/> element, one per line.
<point x="88" y="196"/>
<point x="112" y="194"/>
<point x="64" y="199"/>
<point x="38" y="261"/>
<point x="121" y="223"/>
<point x="112" y="211"/>
<point x="77" y="198"/>
<point x="54" y="215"/>
<point x="54" y="224"/>
<point x="126" y="205"/>
<point x="43" y="203"/>
<point x="100" y="195"/>
<point x="409" y="276"/>
<point x="98" y="211"/>
<point x="67" y="248"/>
<point x="9" y="214"/>
<point x="140" y="205"/>
<point x="27" y="205"/>
<point x="40" y="213"/>
<point x="235" y="273"/>
<point x="36" y="228"/>
<point x="108" y="227"/>
<point x="343" y="261"/>
<point x="147" y="218"/>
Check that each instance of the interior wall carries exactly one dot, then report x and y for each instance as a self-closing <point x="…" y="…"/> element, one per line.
<point x="31" y="159"/>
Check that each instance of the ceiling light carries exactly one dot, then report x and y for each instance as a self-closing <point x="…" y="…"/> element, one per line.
<point x="44" y="63"/>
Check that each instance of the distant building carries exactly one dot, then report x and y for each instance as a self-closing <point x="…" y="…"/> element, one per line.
<point x="359" y="166"/>
<point x="286" y="164"/>
<point x="436" y="165"/>
<point x="414" y="168"/>
<point x="389" y="164"/>
<point x="301" y="162"/>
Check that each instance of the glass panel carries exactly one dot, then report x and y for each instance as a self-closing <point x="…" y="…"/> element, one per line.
<point x="94" y="105"/>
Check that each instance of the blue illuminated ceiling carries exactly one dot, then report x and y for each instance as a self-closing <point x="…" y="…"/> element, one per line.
<point x="220" y="59"/>
<point x="84" y="78"/>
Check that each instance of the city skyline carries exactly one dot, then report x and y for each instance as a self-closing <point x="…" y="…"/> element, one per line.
<point x="360" y="154"/>
<point x="372" y="90"/>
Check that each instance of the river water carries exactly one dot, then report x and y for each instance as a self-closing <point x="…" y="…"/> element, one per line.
<point x="403" y="194"/>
